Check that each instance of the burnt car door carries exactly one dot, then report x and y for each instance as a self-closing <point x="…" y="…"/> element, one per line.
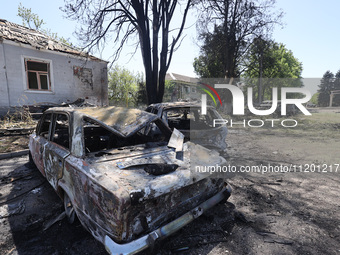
<point x="40" y="139"/>
<point x="57" y="149"/>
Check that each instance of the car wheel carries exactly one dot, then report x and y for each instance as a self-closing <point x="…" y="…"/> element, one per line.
<point x="69" y="210"/>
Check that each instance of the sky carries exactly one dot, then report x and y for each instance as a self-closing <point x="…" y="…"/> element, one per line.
<point x="310" y="32"/>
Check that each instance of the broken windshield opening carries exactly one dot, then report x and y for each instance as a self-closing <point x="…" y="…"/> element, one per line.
<point x="183" y="118"/>
<point x="98" y="138"/>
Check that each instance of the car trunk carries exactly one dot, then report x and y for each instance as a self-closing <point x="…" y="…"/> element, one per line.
<point x="148" y="199"/>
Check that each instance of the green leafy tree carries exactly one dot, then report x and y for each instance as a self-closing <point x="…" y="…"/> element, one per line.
<point x="142" y="99"/>
<point x="210" y="63"/>
<point x="325" y="87"/>
<point x="314" y="99"/>
<point x="328" y="83"/>
<point x="170" y="91"/>
<point x="123" y="86"/>
<point x="270" y="60"/>
<point x="234" y="24"/>
<point x="336" y="99"/>
<point x="33" y="21"/>
<point x="29" y="18"/>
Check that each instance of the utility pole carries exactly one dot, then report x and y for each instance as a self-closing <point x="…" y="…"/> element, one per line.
<point x="260" y="85"/>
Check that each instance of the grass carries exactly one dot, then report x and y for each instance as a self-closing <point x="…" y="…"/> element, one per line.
<point x="13" y="143"/>
<point x="20" y="118"/>
<point x="322" y="124"/>
<point x="320" y="121"/>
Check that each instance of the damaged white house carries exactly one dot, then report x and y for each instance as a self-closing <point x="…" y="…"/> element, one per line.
<point x="35" y="68"/>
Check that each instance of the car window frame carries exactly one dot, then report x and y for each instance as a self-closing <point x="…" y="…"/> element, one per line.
<point x="39" y="126"/>
<point x="149" y="109"/>
<point x="83" y="132"/>
<point x="52" y="129"/>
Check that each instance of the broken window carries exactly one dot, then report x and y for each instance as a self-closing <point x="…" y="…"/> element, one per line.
<point x="183" y="118"/>
<point x="61" y="134"/>
<point x="45" y="125"/>
<point x="38" y="75"/>
<point x="98" y="138"/>
<point x="152" y="110"/>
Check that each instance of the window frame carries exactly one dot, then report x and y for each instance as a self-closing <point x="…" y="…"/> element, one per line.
<point x="48" y="73"/>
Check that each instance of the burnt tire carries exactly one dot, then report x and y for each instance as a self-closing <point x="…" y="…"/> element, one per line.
<point x="69" y="209"/>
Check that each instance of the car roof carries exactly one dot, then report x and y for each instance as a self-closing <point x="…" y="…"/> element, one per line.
<point x="124" y="120"/>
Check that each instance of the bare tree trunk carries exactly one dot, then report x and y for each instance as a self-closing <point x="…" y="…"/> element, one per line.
<point x="125" y="18"/>
<point x="155" y="30"/>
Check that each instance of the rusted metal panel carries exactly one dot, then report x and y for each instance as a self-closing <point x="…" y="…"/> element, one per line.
<point x="176" y="140"/>
<point x="36" y="144"/>
<point x="159" y="198"/>
<point x="53" y="159"/>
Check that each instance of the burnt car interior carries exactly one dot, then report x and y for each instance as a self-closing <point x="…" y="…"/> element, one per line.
<point x="98" y="138"/>
<point x="60" y="134"/>
<point x="44" y="128"/>
<point x="60" y="129"/>
<point x="183" y="118"/>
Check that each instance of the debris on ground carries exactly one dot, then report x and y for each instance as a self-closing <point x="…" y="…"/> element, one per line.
<point x="8" y="210"/>
<point x="299" y="216"/>
<point x="48" y="224"/>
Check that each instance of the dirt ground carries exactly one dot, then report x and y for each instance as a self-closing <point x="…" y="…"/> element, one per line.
<point x="295" y="212"/>
<point x="13" y="143"/>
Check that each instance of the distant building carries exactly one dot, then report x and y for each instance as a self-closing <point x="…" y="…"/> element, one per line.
<point x="185" y="88"/>
<point x="35" y="68"/>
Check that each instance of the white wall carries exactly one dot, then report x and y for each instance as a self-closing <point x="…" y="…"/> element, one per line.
<point x="66" y="86"/>
<point x="4" y="103"/>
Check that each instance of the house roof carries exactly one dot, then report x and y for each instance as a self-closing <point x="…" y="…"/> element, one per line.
<point x="17" y="33"/>
<point x="179" y="77"/>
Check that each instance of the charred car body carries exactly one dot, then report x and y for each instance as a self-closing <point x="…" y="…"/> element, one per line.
<point x="187" y="118"/>
<point x="127" y="185"/>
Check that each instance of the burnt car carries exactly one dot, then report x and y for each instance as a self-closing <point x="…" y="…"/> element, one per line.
<point x="196" y="127"/>
<point x="128" y="185"/>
